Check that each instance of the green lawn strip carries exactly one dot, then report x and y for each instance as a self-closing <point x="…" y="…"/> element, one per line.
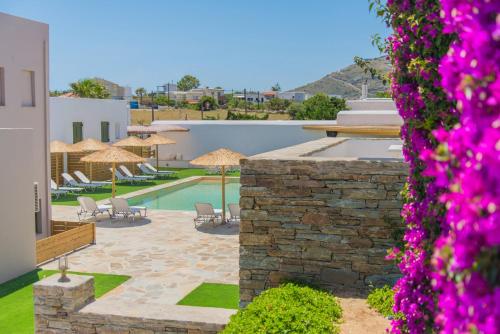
<point x="213" y="295"/>
<point x="16" y="298"/>
<point x="124" y="188"/>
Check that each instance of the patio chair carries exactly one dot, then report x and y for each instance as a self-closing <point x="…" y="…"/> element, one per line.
<point x="205" y="213"/>
<point x="57" y="192"/>
<point x="125" y="171"/>
<point x="89" y="206"/>
<point x="234" y="212"/>
<point x="145" y="170"/>
<point x="54" y="186"/>
<point x="69" y="180"/>
<point x="84" y="179"/>
<point x="122" y="178"/>
<point x="158" y="172"/>
<point x="120" y="206"/>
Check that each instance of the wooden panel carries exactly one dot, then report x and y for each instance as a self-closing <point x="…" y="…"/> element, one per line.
<point x="60" y="162"/>
<point x="100" y="172"/>
<point x="391" y="131"/>
<point x="64" y="242"/>
<point x="63" y="226"/>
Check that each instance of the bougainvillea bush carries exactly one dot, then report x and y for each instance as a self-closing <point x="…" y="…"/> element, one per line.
<point x="467" y="164"/>
<point x="446" y="85"/>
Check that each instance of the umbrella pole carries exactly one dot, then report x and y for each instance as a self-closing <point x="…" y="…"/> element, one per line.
<point x="157" y="158"/>
<point x="223" y="181"/>
<point x="113" y="180"/>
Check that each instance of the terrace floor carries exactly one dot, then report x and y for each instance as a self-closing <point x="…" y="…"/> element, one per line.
<point x="165" y="255"/>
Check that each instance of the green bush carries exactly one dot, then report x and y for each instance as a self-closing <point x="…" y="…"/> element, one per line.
<point x="382" y="300"/>
<point x="207" y="103"/>
<point x="321" y="107"/>
<point x="291" y="308"/>
<point x="232" y="116"/>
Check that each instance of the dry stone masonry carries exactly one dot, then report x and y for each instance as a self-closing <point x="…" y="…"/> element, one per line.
<point x="69" y="308"/>
<point x="324" y="221"/>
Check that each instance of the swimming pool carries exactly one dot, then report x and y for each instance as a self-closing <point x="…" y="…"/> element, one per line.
<point x="184" y="196"/>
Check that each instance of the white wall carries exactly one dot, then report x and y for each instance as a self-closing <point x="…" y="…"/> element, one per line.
<point x="24" y="46"/>
<point x="372" y="104"/>
<point x="91" y="112"/>
<point x="17" y="225"/>
<point x="247" y="137"/>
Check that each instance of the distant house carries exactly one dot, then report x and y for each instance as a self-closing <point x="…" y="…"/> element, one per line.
<point x="195" y="95"/>
<point x="294" y="96"/>
<point x="117" y="92"/>
<point x="73" y="120"/>
<point x="250" y="96"/>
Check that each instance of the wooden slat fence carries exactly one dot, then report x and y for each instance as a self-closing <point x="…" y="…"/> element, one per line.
<point x="63" y="226"/>
<point x="53" y="166"/>
<point x="65" y="242"/>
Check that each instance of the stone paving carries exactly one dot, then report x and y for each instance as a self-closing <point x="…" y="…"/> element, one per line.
<point x="163" y="253"/>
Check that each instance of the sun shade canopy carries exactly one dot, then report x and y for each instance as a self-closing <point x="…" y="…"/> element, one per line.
<point x="90" y="145"/>
<point x="57" y="146"/>
<point x="113" y="155"/>
<point x="220" y="157"/>
<point x="158" y="140"/>
<point x="131" y="141"/>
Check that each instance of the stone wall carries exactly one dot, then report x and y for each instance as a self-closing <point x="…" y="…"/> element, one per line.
<point x="323" y="221"/>
<point x="69" y="307"/>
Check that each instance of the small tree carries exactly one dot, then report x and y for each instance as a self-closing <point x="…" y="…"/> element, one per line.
<point x="188" y="82"/>
<point x="276" y="87"/>
<point x="89" y="88"/>
<point x="163" y="100"/>
<point x="207" y="103"/>
<point x="321" y="107"/>
<point x="277" y="104"/>
<point x="295" y="108"/>
<point x="141" y="91"/>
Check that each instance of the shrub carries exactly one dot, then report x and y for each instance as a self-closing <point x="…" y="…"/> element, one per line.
<point x="251" y="117"/>
<point x="321" y="107"/>
<point x="291" y="308"/>
<point x="207" y="103"/>
<point x="382" y="300"/>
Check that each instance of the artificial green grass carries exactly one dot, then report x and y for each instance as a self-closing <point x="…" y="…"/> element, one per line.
<point x="124" y="188"/>
<point x="213" y="295"/>
<point x="16" y="298"/>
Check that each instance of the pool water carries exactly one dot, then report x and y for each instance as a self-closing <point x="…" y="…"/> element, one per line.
<point x="183" y="197"/>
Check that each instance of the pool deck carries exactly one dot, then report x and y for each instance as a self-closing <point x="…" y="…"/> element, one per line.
<point x="163" y="253"/>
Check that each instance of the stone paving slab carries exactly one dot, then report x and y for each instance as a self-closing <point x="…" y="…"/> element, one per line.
<point x="165" y="255"/>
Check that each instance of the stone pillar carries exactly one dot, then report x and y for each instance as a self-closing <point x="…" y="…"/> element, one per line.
<point x="55" y="301"/>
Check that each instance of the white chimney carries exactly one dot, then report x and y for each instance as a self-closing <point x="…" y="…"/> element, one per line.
<point x="364" y="91"/>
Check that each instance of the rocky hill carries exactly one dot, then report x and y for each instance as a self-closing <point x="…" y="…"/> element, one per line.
<point x="347" y="82"/>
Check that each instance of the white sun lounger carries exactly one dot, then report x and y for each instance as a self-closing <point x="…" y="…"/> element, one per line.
<point x="125" y="171"/>
<point x="69" y="180"/>
<point x="58" y="192"/>
<point x="89" y="206"/>
<point x="123" y="178"/>
<point x="54" y="186"/>
<point x="205" y="213"/>
<point x="234" y="212"/>
<point x="120" y="207"/>
<point x="84" y="179"/>
<point x="155" y="171"/>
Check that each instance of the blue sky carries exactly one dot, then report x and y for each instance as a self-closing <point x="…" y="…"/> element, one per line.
<point x="233" y="44"/>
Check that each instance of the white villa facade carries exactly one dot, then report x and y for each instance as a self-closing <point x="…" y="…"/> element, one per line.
<point x="75" y="119"/>
<point x="24" y="129"/>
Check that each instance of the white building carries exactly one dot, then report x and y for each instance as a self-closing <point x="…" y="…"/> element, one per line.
<point x="247" y="137"/>
<point x="24" y="129"/>
<point x="294" y="96"/>
<point x="75" y="119"/>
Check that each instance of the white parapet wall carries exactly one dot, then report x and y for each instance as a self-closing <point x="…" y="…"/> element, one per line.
<point x="247" y="137"/>
<point x="65" y="111"/>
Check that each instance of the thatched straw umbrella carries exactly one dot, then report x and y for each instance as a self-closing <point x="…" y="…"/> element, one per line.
<point x="132" y="142"/>
<point x="158" y="140"/>
<point x="113" y="155"/>
<point x="58" y="147"/>
<point x="90" y="145"/>
<point x="222" y="157"/>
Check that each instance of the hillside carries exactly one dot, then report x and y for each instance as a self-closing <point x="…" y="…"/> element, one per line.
<point x="347" y="82"/>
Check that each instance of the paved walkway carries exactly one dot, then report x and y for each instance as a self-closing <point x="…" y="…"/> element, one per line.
<point x="165" y="255"/>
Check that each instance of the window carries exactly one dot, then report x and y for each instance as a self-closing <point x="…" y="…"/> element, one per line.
<point x="105" y="132"/>
<point x="2" y="87"/>
<point x="117" y="130"/>
<point x="77" y="132"/>
<point x="28" y="88"/>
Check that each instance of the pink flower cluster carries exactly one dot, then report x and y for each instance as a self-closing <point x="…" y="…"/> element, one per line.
<point x="423" y="106"/>
<point x="467" y="163"/>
